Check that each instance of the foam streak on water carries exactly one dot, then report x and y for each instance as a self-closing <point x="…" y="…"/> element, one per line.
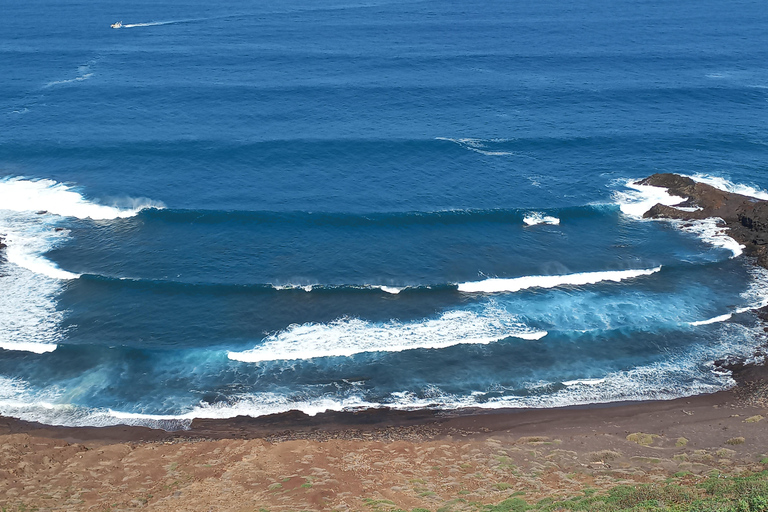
<point x="496" y="285"/>
<point x="350" y="336"/>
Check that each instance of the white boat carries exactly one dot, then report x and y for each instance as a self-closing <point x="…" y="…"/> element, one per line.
<point x="118" y="24"/>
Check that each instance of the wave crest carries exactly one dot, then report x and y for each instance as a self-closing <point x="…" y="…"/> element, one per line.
<point x="350" y="336"/>
<point x="515" y="284"/>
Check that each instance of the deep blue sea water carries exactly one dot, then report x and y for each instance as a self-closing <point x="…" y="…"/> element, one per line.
<point x="225" y="208"/>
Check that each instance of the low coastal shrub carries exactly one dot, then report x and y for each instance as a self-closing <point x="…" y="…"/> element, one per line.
<point x="642" y="439"/>
<point x="719" y="493"/>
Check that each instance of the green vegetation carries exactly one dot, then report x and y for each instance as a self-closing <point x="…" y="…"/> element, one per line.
<point x="718" y="493"/>
<point x="642" y="438"/>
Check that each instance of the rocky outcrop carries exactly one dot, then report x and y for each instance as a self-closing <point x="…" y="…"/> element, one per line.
<point x="746" y="217"/>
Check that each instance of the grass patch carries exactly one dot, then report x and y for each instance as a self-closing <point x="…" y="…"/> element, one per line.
<point x="725" y="453"/>
<point x="735" y="440"/>
<point x="642" y="439"/>
<point x="718" y="493"/>
<point x="681" y="441"/>
<point x="603" y="455"/>
<point x="753" y="419"/>
<point x="533" y="440"/>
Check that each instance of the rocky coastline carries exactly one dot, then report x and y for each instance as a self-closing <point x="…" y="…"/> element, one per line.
<point x="745" y="217"/>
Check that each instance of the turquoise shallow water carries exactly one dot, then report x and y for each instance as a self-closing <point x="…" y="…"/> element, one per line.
<point x="221" y="210"/>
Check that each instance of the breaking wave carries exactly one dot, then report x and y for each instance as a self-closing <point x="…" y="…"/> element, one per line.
<point x="539" y="218"/>
<point x="515" y="284"/>
<point x="350" y="336"/>
<point x="641" y="198"/>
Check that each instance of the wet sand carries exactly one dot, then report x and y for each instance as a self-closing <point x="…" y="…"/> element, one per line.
<point x="381" y="460"/>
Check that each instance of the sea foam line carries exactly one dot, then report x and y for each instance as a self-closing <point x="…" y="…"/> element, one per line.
<point x="495" y="285"/>
<point x="350" y="336"/>
<point x="684" y="374"/>
<point x="477" y="145"/>
<point x="714" y="320"/>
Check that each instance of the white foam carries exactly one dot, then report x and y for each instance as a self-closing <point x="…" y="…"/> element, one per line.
<point x="583" y="382"/>
<point x="83" y="75"/>
<point x="28" y="315"/>
<point x="160" y="23"/>
<point x="391" y="289"/>
<point x="756" y="295"/>
<point x="21" y="251"/>
<point x="149" y="24"/>
<point x="684" y="374"/>
<point x="350" y="336"/>
<point x="535" y="218"/>
<point x="712" y="231"/>
<point x="729" y="186"/>
<point x="641" y="198"/>
<point x="495" y="285"/>
<point x="23" y="195"/>
<point x="477" y="145"/>
<point x="714" y="320"/>
<point x="28" y="346"/>
<point x="28" y="210"/>
<point x="29" y="318"/>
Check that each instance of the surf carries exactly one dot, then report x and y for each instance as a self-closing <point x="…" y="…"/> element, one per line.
<point x="347" y="337"/>
<point x="516" y="284"/>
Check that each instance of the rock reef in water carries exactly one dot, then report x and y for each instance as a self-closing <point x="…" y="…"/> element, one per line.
<point x="746" y="217"/>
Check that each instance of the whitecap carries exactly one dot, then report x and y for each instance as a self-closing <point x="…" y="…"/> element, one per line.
<point x="534" y="218"/>
<point x="350" y="336"/>
<point x="714" y="320"/>
<point x="495" y="285"/>
<point x="641" y="198"/>
<point x="25" y="195"/>
<point x="729" y="186"/>
<point x="391" y="289"/>
<point x="712" y="231"/>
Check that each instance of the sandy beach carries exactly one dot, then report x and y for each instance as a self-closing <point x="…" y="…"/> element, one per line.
<point x="386" y="460"/>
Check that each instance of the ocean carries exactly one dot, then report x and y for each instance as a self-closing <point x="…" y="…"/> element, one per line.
<point x="227" y="208"/>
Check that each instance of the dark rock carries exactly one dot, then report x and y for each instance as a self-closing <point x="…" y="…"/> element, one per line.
<point x="744" y="216"/>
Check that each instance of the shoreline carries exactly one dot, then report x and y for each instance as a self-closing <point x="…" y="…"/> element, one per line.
<point x="388" y="460"/>
<point x="745" y="218"/>
<point x="383" y="460"/>
<point x="390" y="424"/>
